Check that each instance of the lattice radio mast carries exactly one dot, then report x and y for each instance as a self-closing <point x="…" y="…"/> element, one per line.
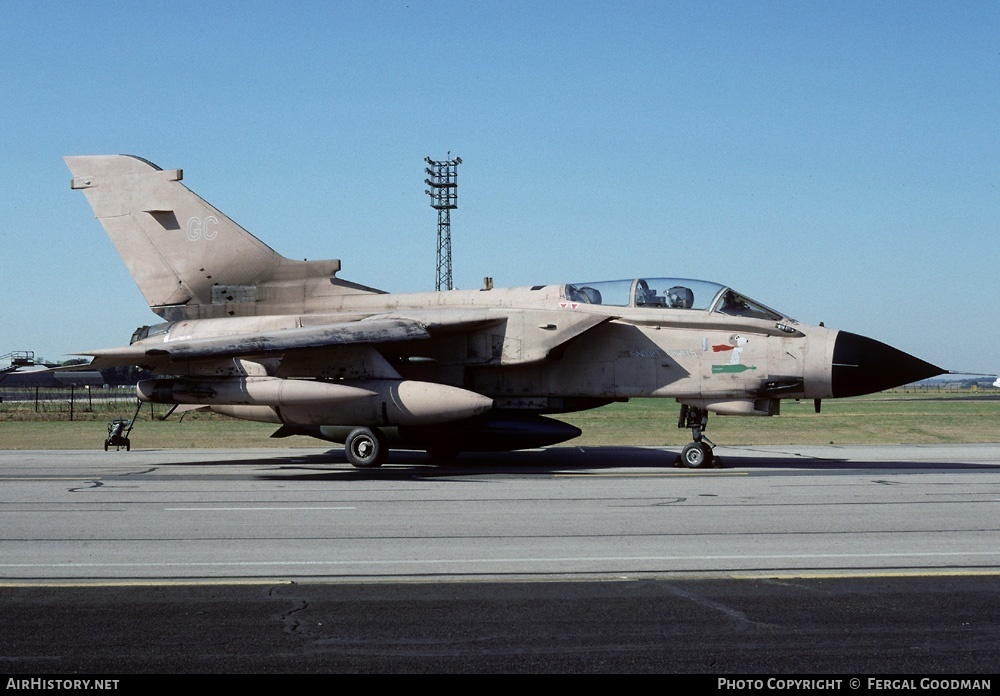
<point x="443" y="191"/>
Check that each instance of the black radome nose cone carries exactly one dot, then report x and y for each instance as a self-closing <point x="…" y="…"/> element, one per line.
<point x="863" y="366"/>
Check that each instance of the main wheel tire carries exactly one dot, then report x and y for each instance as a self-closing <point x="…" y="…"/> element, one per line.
<point x="366" y="448"/>
<point x="697" y="455"/>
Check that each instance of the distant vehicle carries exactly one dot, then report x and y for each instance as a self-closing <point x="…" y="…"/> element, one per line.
<point x="253" y="335"/>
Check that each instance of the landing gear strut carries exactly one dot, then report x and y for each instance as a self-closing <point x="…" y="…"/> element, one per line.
<point x="699" y="454"/>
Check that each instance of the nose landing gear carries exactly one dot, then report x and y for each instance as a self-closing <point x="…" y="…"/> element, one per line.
<point x="700" y="453"/>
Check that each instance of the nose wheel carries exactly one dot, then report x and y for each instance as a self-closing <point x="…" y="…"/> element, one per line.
<point x="700" y="453"/>
<point x="697" y="455"/>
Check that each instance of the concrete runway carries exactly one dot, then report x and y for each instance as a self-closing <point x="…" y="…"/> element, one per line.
<point x="791" y="560"/>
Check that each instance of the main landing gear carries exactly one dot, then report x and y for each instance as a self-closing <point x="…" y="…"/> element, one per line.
<point x="699" y="454"/>
<point x="366" y="448"/>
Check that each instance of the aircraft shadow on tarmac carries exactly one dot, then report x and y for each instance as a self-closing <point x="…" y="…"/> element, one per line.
<point x="408" y="465"/>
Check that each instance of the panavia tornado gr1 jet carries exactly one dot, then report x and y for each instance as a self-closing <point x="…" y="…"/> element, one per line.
<point x="253" y="335"/>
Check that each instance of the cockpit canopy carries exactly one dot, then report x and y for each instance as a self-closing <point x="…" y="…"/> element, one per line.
<point x="149" y="331"/>
<point x="670" y="293"/>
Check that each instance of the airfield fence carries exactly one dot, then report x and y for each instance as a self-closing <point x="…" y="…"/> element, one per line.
<point x="70" y="403"/>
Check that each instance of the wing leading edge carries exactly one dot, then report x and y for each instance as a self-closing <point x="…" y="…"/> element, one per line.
<point x="258" y="344"/>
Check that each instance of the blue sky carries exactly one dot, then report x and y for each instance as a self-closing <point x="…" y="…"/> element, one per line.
<point x="835" y="160"/>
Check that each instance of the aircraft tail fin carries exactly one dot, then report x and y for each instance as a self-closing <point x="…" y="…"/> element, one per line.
<point x="188" y="259"/>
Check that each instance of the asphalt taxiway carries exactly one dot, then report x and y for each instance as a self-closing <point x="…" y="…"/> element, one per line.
<point x="846" y="560"/>
<point x="556" y="513"/>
